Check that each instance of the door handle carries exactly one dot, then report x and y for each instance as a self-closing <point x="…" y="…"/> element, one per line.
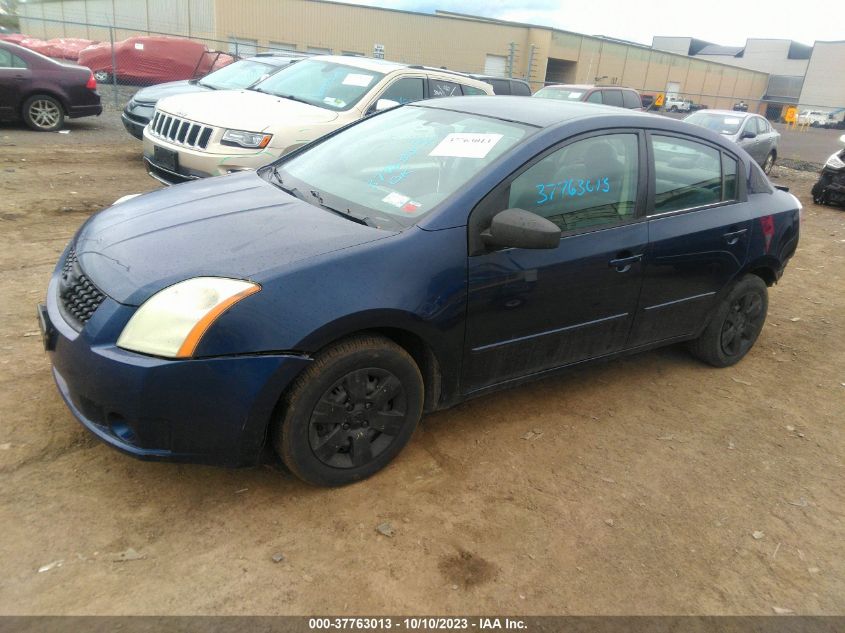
<point x="733" y="237"/>
<point x="623" y="264"/>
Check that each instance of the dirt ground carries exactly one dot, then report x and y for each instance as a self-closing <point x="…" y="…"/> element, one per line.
<point x="649" y="485"/>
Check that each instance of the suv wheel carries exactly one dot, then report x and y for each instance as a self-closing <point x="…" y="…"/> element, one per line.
<point x="43" y="113"/>
<point x="351" y="412"/>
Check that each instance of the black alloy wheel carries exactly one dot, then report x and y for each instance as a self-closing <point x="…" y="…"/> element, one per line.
<point x="357" y="418"/>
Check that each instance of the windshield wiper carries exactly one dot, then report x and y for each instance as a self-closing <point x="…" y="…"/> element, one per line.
<point x="293" y="98"/>
<point x="296" y="193"/>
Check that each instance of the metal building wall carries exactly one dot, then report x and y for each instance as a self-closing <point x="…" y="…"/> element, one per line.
<point x="190" y="18"/>
<point x="820" y="88"/>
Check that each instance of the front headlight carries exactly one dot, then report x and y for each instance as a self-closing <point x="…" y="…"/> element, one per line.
<point x="239" y="138"/>
<point x="835" y="162"/>
<point x="172" y="321"/>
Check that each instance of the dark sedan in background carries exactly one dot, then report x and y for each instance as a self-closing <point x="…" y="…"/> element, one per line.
<point x="41" y="91"/>
<point x="405" y="263"/>
<point x="751" y="132"/>
<point x="236" y="76"/>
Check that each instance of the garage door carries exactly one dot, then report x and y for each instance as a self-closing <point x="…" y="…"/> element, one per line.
<point x="495" y="65"/>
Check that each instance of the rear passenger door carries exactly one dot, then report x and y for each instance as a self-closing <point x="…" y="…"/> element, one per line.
<point x="699" y="230"/>
<point x="15" y="77"/>
<point x="612" y="98"/>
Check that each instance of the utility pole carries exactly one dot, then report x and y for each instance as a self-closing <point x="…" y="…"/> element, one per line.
<point x="511" y="56"/>
<point x="530" y="70"/>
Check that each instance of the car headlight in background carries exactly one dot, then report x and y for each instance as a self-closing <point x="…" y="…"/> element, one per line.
<point x="239" y="138"/>
<point x="172" y="321"/>
<point x="835" y="162"/>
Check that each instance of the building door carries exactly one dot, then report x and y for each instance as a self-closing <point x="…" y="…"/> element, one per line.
<point x="495" y="65"/>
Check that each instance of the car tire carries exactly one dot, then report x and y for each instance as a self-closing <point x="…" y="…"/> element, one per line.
<point x="102" y="77"/>
<point x="735" y="325"/>
<point x="769" y="163"/>
<point x="350" y="412"/>
<point x="43" y="113"/>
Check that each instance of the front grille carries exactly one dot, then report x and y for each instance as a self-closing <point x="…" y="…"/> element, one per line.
<point x="180" y="131"/>
<point x="78" y="297"/>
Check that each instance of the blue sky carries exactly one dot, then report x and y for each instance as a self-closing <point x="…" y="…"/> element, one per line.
<point x="725" y="22"/>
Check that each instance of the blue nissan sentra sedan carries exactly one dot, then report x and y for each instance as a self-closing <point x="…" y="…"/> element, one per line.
<point x="420" y="257"/>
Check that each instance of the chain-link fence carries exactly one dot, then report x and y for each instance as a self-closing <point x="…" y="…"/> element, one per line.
<point x="125" y="60"/>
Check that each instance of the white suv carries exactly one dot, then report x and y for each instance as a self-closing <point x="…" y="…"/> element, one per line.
<point x="219" y="132"/>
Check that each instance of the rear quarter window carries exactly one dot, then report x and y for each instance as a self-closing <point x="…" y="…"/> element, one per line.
<point x="441" y="88"/>
<point x="472" y="90"/>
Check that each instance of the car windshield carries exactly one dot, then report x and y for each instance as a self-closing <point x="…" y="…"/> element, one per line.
<point x="721" y="123"/>
<point x="563" y="94"/>
<point x="241" y="74"/>
<point x="321" y="83"/>
<point x="391" y="170"/>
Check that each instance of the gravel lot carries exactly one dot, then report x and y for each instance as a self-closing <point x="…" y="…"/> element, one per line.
<point x="648" y="485"/>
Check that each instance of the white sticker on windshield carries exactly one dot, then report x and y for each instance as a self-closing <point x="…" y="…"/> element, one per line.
<point x="396" y="199"/>
<point x="731" y="120"/>
<point x="139" y="46"/>
<point x="355" y="79"/>
<point x="465" y="145"/>
<point x="334" y="101"/>
<point x="575" y="95"/>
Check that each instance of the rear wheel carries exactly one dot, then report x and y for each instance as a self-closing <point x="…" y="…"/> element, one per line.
<point x="735" y="325"/>
<point x="769" y="163"/>
<point x="102" y="77"/>
<point x="43" y="113"/>
<point x="351" y="412"/>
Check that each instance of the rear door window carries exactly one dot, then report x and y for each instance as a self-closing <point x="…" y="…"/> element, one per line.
<point x="441" y="88"/>
<point x="5" y="59"/>
<point x="631" y="100"/>
<point x="472" y="90"/>
<point x="687" y="174"/>
<point x="612" y="97"/>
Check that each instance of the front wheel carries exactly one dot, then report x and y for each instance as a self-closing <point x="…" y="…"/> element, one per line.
<point x="735" y="325"/>
<point x="43" y="113"/>
<point x="351" y="412"/>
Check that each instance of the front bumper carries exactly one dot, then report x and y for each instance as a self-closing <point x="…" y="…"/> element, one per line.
<point x="194" y="164"/>
<point x="211" y="410"/>
<point x="134" y="124"/>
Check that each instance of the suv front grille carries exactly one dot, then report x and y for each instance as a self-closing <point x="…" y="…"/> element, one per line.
<point x="180" y="131"/>
<point x="78" y="297"/>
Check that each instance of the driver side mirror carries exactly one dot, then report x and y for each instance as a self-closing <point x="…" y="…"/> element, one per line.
<point x="842" y="139"/>
<point x="748" y="134"/>
<point x="517" y="228"/>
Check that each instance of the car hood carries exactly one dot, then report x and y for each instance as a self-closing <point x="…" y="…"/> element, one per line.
<point x="244" y="110"/>
<point x="231" y="226"/>
<point x="154" y="93"/>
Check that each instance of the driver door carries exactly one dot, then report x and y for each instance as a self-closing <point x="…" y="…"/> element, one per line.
<point x="534" y="310"/>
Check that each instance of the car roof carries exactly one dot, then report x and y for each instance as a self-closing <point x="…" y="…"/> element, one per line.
<point x="486" y="77"/>
<point x="536" y="112"/>
<point x="277" y="59"/>
<point x="735" y="113"/>
<point x="367" y="63"/>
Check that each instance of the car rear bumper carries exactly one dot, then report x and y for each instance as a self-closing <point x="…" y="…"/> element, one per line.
<point x="77" y="111"/>
<point x="212" y="410"/>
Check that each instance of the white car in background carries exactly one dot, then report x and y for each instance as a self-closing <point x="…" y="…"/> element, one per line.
<point x="813" y="118"/>
<point x="211" y="134"/>
<point x="676" y="104"/>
